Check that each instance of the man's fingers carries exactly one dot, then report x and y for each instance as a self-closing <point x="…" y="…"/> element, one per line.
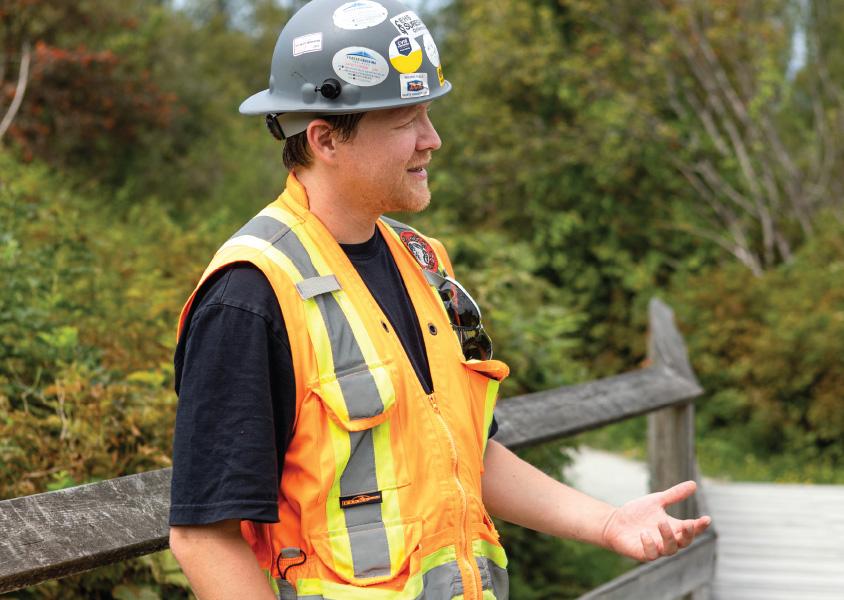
<point x="701" y="523"/>
<point x="649" y="546"/>
<point x="678" y="493"/>
<point x="669" y="542"/>
<point x="685" y="534"/>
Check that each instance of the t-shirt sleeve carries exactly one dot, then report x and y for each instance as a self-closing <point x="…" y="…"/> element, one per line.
<point x="493" y="428"/>
<point x="225" y="448"/>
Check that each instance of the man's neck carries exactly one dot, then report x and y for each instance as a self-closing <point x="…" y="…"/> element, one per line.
<point x="349" y="224"/>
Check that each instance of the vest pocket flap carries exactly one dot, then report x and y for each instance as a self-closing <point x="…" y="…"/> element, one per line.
<point x="370" y="553"/>
<point x="494" y="369"/>
<point x="360" y="398"/>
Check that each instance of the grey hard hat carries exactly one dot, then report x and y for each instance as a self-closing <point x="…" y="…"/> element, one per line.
<point x="341" y="57"/>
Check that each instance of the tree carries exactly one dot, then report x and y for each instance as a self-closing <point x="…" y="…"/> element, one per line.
<point x="759" y="147"/>
<point x="80" y="98"/>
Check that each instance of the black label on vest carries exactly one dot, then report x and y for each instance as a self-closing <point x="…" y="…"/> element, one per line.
<point x="359" y="499"/>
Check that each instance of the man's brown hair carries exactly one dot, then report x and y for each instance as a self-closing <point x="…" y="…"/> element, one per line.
<point x="297" y="153"/>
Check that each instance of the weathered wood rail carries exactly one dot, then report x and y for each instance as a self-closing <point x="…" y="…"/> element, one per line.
<point x="55" y="534"/>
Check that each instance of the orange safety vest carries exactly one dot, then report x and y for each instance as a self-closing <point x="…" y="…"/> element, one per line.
<point x="380" y="495"/>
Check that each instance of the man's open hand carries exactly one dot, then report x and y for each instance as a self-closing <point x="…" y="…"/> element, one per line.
<point x="641" y="529"/>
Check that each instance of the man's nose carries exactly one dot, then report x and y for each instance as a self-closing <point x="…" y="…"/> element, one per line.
<point x="428" y="139"/>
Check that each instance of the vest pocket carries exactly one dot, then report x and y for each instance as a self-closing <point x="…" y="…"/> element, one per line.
<point x="491" y="369"/>
<point x="368" y="538"/>
<point x="484" y="378"/>
<point x="371" y="553"/>
<point x="359" y="397"/>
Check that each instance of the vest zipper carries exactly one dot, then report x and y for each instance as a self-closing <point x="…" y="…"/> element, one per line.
<point x="464" y="514"/>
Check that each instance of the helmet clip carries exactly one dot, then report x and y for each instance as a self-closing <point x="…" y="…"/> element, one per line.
<point x="274" y="126"/>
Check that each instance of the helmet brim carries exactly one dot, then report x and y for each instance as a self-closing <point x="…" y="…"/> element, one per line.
<point x="261" y="103"/>
<point x="264" y="103"/>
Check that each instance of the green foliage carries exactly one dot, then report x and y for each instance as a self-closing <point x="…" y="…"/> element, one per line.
<point x="548" y="137"/>
<point x="557" y="192"/>
<point x="87" y="315"/>
<point x="768" y="352"/>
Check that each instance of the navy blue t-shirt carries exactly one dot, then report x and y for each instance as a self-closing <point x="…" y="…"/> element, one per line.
<point x="237" y="393"/>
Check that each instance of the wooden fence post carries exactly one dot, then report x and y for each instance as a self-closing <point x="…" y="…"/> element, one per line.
<point x="671" y="431"/>
<point x="671" y="452"/>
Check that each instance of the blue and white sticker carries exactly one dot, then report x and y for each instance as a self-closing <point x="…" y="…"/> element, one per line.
<point x="360" y="14"/>
<point x="408" y="23"/>
<point x="431" y="49"/>
<point x="307" y="43"/>
<point x="414" y="85"/>
<point x="361" y="66"/>
<point x="405" y="54"/>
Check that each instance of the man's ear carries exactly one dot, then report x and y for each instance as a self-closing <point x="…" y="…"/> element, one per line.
<point x="321" y="140"/>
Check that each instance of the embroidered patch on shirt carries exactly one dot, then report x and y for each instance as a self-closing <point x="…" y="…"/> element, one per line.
<point x="421" y="250"/>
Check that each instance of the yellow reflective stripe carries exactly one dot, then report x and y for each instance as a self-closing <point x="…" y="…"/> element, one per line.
<point x="495" y="553"/>
<point x="385" y="473"/>
<point x="384" y="467"/>
<point x="411" y="590"/>
<point x="370" y="355"/>
<point x="489" y="595"/>
<point x="440" y="557"/>
<point x="341" y="544"/>
<point x="489" y="406"/>
<point x="249" y="241"/>
<point x="316" y="324"/>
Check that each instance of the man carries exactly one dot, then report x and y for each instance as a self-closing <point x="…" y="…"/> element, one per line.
<point x="336" y="386"/>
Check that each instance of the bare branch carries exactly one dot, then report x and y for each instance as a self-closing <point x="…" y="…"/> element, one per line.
<point x="23" y="79"/>
<point x="740" y="246"/>
<point x="717" y="182"/>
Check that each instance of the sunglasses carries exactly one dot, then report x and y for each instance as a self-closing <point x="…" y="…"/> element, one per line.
<point x="465" y="316"/>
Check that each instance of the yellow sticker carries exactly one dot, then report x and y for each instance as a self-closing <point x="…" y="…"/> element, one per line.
<point x="440" y="75"/>
<point x="405" y="54"/>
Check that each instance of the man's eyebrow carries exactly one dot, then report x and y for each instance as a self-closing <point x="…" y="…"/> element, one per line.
<point x="409" y="111"/>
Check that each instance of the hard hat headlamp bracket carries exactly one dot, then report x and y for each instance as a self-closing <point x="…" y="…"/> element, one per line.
<point x="330" y="89"/>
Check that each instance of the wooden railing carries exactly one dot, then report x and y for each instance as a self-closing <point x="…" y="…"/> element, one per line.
<point x="51" y="535"/>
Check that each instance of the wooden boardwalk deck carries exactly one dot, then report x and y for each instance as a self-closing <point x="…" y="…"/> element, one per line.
<point x="775" y="541"/>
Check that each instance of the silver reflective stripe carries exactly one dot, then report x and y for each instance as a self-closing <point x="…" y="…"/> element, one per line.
<point x="398" y="226"/>
<point x="367" y="536"/>
<point x="444" y="582"/>
<point x="441" y="583"/>
<point x="314" y="286"/>
<point x="494" y="577"/>
<point x="284" y="592"/>
<point x="263" y="228"/>
<point x="359" y="390"/>
<point x="356" y="382"/>
<point x="359" y="475"/>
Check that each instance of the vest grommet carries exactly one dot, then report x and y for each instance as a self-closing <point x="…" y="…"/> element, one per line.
<point x="432" y="328"/>
<point x="385" y="326"/>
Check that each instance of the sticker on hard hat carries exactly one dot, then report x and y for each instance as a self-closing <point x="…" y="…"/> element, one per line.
<point x="405" y="54"/>
<point x="431" y="49"/>
<point x="414" y="85"/>
<point x="307" y="43"/>
<point x="408" y="23"/>
<point x="440" y="75"/>
<point x="359" y="15"/>
<point x="360" y="66"/>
